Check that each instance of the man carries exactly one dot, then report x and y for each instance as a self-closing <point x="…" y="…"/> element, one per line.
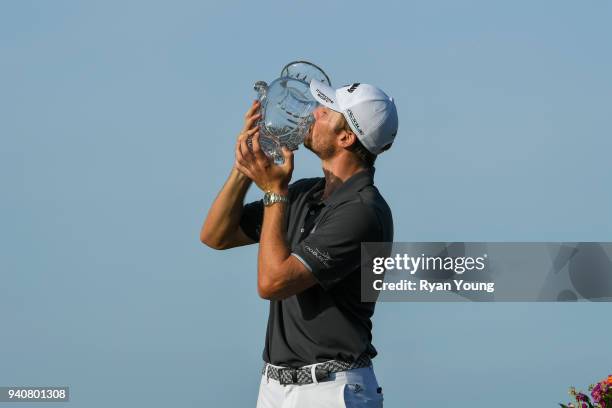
<point x="318" y="347"/>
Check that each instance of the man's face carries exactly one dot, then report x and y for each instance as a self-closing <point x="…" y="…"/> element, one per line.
<point x="321" y="139"/>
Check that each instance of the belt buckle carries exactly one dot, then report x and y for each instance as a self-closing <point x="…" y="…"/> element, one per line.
<point x="293" y="376"/>
<point x="321" y="374"/>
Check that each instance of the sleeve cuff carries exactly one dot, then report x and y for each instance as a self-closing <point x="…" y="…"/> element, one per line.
<point x="302" y="261"/>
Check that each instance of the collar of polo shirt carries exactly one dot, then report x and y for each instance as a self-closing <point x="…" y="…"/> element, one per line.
<point x="347" y="190"/>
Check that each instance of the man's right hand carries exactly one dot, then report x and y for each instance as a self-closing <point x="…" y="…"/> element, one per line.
<point x="249" y="129"/>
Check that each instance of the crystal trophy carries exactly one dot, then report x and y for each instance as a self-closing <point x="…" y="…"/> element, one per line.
<point x="286" y="108"/>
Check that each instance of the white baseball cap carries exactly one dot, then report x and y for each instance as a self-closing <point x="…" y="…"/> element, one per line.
<point x="370" y="113"/>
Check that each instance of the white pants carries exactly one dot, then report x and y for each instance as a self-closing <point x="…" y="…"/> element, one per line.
<point x="355" y="388"/>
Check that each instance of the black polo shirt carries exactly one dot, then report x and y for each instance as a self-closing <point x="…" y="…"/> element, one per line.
<point x="328" y="320"/>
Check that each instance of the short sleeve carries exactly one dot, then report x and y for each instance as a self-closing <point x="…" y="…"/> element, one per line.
<point x="333" y="250"/>
<point x="251" y="219"/>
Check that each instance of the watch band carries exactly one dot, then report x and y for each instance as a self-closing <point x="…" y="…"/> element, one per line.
<point x="273" y="198"/>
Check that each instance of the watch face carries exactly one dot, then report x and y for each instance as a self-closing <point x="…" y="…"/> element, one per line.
<point x="270" y="198"/>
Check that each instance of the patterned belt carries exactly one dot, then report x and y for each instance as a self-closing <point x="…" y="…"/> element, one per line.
<point x="303" y="375"/>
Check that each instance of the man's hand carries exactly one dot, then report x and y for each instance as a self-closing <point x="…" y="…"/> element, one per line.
<point x="259" y="168"/>
<point x="249" y="129"/>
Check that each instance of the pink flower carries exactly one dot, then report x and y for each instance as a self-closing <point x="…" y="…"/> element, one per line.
<point x="596" y="393"/>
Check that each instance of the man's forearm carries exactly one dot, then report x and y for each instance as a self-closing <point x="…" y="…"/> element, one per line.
<point x="273" y="248"/>
<point x="223" y="217"/>
<point x="279" y="275"/>
<point x="276" y="275"/>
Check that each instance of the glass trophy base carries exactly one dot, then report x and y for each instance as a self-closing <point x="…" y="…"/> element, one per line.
<point x="270" y="147"/>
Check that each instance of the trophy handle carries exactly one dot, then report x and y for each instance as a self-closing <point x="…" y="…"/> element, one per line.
<point x="261" y="87"/>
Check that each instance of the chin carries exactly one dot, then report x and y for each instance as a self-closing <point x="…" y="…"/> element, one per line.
<point x="307" y="141"/>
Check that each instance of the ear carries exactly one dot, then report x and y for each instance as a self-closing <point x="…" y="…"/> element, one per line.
<point x="346" y="138"/>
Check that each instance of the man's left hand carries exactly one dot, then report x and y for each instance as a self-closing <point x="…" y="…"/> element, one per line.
<point x="262" y="170"/>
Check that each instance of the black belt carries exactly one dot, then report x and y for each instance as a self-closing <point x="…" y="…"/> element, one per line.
<point x="303" y="375"/>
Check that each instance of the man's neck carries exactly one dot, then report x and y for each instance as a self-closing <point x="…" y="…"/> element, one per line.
<point x="337" y="170"/>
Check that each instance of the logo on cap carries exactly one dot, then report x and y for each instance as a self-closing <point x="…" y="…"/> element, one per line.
<point x="353" y="87"/>
<point x="352" y="118"/>
<point x="324" y="97"/>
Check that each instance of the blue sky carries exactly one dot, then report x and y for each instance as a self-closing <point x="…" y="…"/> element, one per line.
<point x="118" y="121"/>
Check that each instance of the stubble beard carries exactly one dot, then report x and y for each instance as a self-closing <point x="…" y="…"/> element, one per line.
<point x="321" y="150"/>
